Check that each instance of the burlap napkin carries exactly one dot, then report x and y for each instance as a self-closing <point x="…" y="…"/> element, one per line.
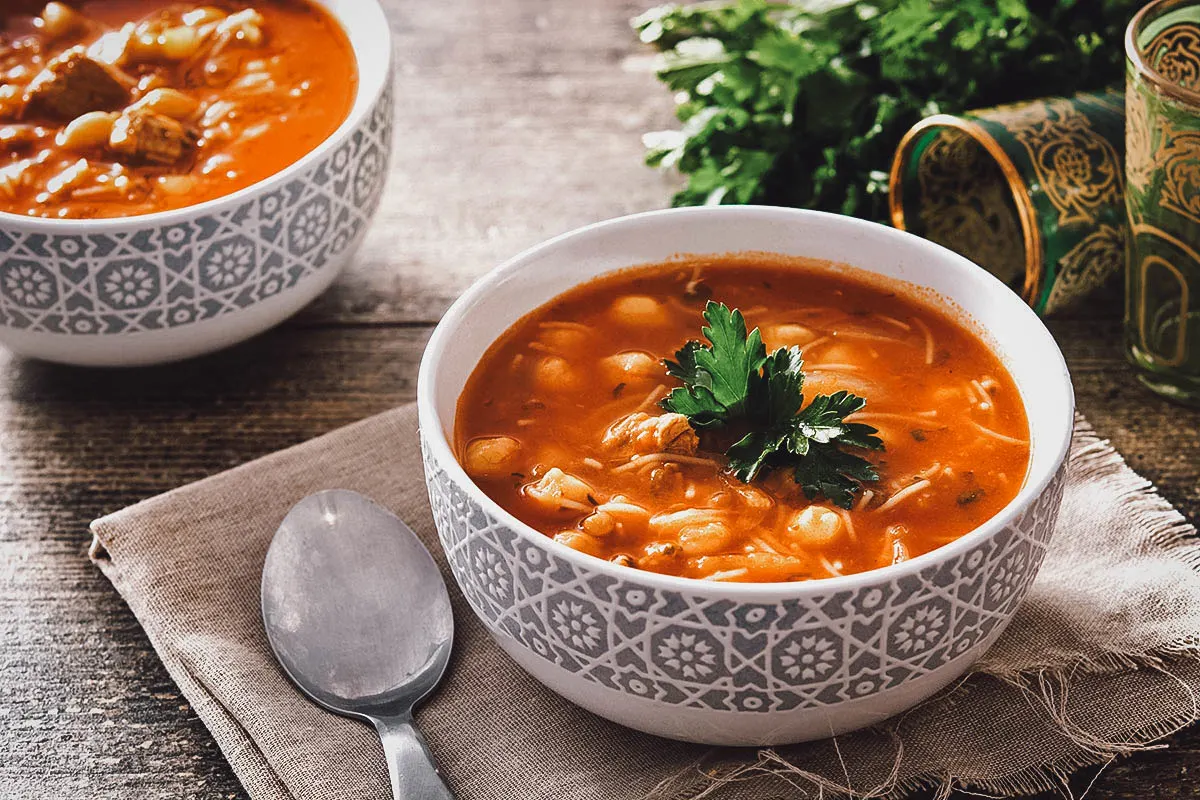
<point x="1103" y="658"/>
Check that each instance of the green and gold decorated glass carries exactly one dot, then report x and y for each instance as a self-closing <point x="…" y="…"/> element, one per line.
<point x="1032" y="192"/>
<point x="1162" y="312"/>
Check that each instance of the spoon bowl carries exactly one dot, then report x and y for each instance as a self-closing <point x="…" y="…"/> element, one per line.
<point x="358" y="616"/>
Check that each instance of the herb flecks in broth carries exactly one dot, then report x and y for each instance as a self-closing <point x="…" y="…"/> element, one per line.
<point x="733" y="384"/>
<point x="561" y="423"/>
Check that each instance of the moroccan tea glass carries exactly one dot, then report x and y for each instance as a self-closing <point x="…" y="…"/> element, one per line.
<point x="1162" y="198"/>
<point x="1031" y="192"/>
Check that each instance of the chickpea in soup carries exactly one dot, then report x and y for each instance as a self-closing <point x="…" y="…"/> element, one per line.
<point x="566" y="422"/>
<point x="115" y="108"/>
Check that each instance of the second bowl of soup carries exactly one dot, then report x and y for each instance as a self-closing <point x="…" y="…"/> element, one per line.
<point x="743" y="475"/>
<point x="176" y="177"/>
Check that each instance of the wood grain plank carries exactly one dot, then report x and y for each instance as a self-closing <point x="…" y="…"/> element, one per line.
<point x="517" y="120"/>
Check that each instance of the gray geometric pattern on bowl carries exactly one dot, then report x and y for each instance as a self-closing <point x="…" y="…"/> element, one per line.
<point x="714" y="653"/>
<point x="169" y="276"/>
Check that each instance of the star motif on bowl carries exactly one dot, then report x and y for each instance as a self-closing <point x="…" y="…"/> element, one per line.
<point x="309" y="226"/>
<point x="808" y="658"/>
<point x="1007" y="577"/>
<point x="364" y="177"/>
<point x="228" y="263"/>
<point x="920" y="630"/>
<point x="494" y="574"/>
<point x="129" y="285"/>
<point x="576" y="624"/>
<point x="687" y="654"/>
<point x="29" y="285"/>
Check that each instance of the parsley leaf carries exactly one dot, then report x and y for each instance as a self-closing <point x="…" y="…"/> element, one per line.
<point x="716" y="378"/>
<point x="733" y="383"/>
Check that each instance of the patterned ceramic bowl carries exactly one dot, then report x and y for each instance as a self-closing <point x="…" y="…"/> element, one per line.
<point x="742" y="664"/>
<point x="166" y="286"/>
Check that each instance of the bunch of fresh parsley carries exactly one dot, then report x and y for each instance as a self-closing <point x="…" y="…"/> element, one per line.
<point x="803" y="103"/>
<point x="733" y="384"/>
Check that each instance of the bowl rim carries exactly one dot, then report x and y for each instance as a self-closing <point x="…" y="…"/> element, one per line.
<point x="434" y="435"/>
<point x="371" y="85"/>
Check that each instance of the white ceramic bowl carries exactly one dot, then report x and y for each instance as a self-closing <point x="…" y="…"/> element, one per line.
<point x="175" y="284"/>
<point x="741" y="664"/>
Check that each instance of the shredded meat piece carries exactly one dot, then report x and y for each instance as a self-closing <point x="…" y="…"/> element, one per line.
<point x="151" y="138"/>
<point x="73" y="84"/>
<point x="641" y="433"/>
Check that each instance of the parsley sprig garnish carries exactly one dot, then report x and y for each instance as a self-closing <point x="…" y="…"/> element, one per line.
<point x="732" y="383"/>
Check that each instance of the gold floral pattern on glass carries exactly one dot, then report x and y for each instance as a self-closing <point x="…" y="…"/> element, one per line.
<point x="1089" y="264"/>
<point x="1078" y="169"/>
<point x="1175" y="54"/>
<point x="1179" y="160"/>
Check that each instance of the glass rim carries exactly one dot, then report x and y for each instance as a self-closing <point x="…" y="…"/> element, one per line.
<point x="1027" y="215"/>
<point x="1133" y="55"/>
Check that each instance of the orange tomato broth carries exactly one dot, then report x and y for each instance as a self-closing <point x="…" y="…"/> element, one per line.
<point x="950" y="415"/>
<point x="305" y="54"/>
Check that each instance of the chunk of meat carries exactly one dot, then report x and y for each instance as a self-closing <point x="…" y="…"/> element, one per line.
<point x="73" y="84"/>
<point x="558" y="491"/>
<point x="151" y="138"/>
<point x="641" y="433"/>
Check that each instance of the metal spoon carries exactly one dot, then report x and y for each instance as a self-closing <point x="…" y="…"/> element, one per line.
<point x="358" y="616"/>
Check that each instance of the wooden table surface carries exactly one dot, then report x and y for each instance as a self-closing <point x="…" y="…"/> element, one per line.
<point x="517" y="120"/>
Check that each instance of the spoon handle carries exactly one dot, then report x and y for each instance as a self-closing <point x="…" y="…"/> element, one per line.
<point x="414" y="772"/>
